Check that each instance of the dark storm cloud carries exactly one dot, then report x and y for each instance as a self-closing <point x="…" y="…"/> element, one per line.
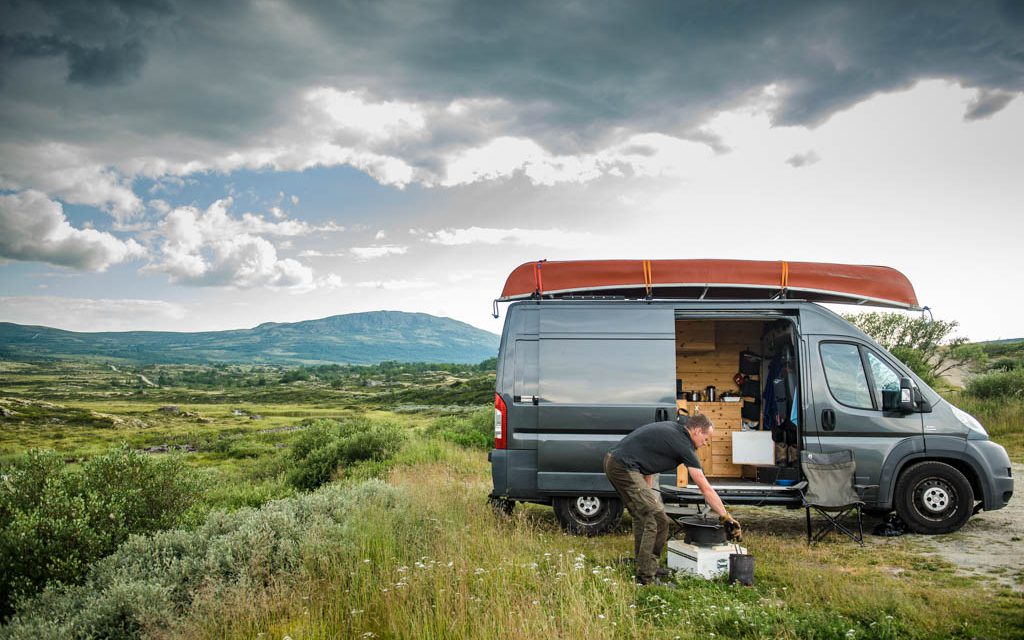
<point x="580" y="67"/>
<point x="987" y="103"/>
<point x="101" y="41"/>
<point x="105" y="65"/>
<point x="567" y="74"/>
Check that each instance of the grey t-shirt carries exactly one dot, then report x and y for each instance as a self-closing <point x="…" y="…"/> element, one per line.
<point x="656" y="448"/>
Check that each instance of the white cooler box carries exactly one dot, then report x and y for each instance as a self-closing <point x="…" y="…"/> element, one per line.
<point x="706" y="562"/>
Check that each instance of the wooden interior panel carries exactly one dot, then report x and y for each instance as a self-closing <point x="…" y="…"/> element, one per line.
<point x="716" y="457"/>
<point x="716" y="367"/>
<point x="714" y="363"/>
<point x="695" y="335"/>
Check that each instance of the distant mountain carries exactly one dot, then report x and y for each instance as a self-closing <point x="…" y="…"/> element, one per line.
<point x="356" y="338"/>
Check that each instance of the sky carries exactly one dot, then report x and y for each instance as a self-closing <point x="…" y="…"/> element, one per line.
<point x="201" y="165"/>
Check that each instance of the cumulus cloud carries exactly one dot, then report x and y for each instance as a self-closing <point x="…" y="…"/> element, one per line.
<point x="314" y="253"/>
<point x="491" y="236"/>
<point x="798" y="160"/>
<point x="212" y="248"/>
<point x="34" y="228"/>
<point x="644" y="155"/>
<point x="349" y="112"/>
<point x="396" y="285"/>
<point x="368" y="253"/>
<point x="68" y="172"/>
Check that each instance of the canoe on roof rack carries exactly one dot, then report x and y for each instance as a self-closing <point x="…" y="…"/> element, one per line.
<point x="712" y="279"/>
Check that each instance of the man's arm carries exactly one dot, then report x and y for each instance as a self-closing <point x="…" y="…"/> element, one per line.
<point x="709" y="493"/>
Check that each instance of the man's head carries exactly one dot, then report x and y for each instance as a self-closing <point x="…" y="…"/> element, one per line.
<point x="700" y="429"/>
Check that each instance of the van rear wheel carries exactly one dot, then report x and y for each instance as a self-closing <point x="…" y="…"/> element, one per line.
<point x="934" y="497"/>
<point x="587" y="515"/>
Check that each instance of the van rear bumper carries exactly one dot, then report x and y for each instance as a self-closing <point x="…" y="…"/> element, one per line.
<point x="514" y="473"/>
<point x="997" y="475"/>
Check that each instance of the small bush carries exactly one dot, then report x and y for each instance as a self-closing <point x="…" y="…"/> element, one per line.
<point x="1006" y="364"/>
<point x="475" y="431"/>
<point x="328" y="444"/>
<point x="54" y="523"/>
<point x="999" y="385"/>
<point x="150" y="582"/>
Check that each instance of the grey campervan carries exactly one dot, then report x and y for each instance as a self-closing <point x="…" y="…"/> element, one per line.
<point x="575" y="375"/>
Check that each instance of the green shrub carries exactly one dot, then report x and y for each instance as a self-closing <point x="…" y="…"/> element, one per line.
<point x="55" y="523"/>
<point x="326" y="445"/>
<point x="917" y="362"/>
<point x="149" y="583"/>
<point x="1006" y="364"/>
<point x="475" y="431"/>
<point x="1003" y="384"/>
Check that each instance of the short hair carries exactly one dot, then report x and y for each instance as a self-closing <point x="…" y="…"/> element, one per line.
<point x="699" y="421"/>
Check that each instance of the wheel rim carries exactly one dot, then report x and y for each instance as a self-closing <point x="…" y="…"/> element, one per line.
<point x="588" y="506"/>
<point x="935" y="498"/>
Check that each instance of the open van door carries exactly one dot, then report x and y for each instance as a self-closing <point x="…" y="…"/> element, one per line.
<point x="856" y="394"/>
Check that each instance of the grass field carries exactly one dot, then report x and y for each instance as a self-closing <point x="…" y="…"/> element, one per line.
<point x="452" y="569"/>
<point x="235" y="422"/>
<point x="430" y="559"/>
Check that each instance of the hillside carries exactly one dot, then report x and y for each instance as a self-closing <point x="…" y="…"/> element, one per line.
<point x="357" y="338"/>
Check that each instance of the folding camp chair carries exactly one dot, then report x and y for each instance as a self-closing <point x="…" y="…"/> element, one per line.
<point x="832" y="494"/>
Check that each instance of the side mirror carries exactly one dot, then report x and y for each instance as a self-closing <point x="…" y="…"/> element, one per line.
<point x="907" y="404"/>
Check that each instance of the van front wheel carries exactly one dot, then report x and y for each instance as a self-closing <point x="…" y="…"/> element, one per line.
<point x="933" y="497"/>
<point x="587" y="515"/>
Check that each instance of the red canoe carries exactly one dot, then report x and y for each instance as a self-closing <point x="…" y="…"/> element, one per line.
<point x="713" y="279"/>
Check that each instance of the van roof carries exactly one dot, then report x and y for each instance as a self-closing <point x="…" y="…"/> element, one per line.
<point x="721" y="279"/>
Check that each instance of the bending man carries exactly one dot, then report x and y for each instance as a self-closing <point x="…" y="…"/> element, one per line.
<point x="631" y="466"/>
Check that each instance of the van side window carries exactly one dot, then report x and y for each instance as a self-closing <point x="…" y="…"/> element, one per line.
<point x="525" y="383"/>
<point x="845" y="375"/>
<point x="887" y="383"/>
<point x="580" y="371"/>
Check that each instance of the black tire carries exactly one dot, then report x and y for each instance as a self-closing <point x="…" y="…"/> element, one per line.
<point x="933" y="497"/>
<point x="587" y="515"/>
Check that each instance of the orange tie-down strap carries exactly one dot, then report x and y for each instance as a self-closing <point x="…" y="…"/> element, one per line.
<point x="785" y="274"/>
<point x="648" y="277"/>
<point x="538" y="278"/>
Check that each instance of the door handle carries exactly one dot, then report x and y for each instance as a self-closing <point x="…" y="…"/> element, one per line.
<point x="828" y="420"/>
<point x="660" y="415"/>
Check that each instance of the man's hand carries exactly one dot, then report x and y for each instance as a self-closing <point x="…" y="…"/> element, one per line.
<point x="733" y="531"/>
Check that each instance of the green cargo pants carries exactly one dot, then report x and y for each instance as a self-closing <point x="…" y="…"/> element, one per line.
<point x="650" y="522"/>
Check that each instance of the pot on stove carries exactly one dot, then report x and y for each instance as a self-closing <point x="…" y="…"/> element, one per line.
<point x="703" y="531"/>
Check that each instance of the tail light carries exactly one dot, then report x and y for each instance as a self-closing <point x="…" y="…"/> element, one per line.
<point x="500" y="423"/>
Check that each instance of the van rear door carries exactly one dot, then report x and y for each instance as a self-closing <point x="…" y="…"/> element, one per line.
<point x="851" y="382"/>
<point x="604" y="371"/>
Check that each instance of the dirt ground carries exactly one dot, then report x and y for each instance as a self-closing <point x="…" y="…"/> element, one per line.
<point x="990" y="545"/>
